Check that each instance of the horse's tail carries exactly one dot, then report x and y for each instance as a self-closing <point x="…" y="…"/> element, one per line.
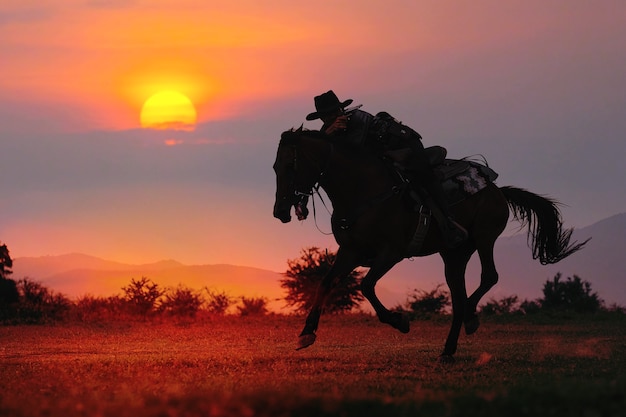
<point x="549" y="242"/>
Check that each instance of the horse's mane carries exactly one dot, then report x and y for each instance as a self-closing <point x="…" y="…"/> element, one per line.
<point x="292" y="135"/>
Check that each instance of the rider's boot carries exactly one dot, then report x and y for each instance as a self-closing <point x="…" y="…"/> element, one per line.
<point x="453" y="233"/>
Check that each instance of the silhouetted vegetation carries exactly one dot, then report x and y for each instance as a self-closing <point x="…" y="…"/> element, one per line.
<point x="505" y="305"/>
<point x="570" y="295"/>
<point x="141" y="296"/>
<point x="142" y="299"/>
<point x="422" y="304"/>
<point x="253" y="306"/>
<point x="573" y="294"/>
<point x="218" y="302"/>
<point x="305" y="275"/>
<point x="28" y="301"/>
<point x="8" y="287"/>
<point x="6" y="263"/>
<point x="181" y="302"/>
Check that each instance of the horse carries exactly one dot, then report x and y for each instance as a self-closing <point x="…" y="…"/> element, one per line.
<point x="374" y="226"/>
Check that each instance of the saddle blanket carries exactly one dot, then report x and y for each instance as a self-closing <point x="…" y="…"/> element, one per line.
<point x="462" y="178"/>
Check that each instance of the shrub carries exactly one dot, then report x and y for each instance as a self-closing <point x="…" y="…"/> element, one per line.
<point x="90" y="308"/>
<point x="181" y="302"/>
<point x="505" y="305"/>
<point x="253" y="306"/>
<point x="141" y="296"/>
<point x="304" y="276"/>
<point x="571" y="294"/>
<point x="423" y="304"/>
<point x="530" y="307"/>
<point x="39" y="304"/>
<point x="218" y="302"/>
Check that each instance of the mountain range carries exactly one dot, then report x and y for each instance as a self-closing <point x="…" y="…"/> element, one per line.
<point x="601" y="262"/>
<point x="76" y="275"/>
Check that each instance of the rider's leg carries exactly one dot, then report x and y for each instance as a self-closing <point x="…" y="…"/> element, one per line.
<point x="453" y="233"/>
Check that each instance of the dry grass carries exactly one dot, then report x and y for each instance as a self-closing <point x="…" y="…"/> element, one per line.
<point x="238" y="366"/>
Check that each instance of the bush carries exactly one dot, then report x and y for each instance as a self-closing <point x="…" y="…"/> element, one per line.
<point x="39" y="304"/>
<point x="181" y="302"/>
<point x="304" y="276"/>
<point x="572" y="294"/>
<point x="424" y="304"/>
<point x="530" y="307"/>
<point x="90" y="308"/>
<point x="506" y="305"/>
<point x="253" y="306"/>
<point x="218" y="302"/>
<point x="141" y="296"/>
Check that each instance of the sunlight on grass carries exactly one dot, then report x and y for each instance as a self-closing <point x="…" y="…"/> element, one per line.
<point x="233" y="367"/>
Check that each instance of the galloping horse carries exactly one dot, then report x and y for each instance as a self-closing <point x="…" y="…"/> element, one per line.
<point x="374" y="226"/>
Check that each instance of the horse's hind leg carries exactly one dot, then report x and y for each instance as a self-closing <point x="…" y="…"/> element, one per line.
<point x="343" y="265"/>
<point x="489" y="224"/>
<point x="455" y="266"/>
<point x="488" y="278"/>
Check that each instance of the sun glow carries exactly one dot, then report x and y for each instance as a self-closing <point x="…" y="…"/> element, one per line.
<point x="168" y="110"/>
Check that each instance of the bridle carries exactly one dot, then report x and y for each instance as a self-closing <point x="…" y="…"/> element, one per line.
<point x="303" y="193"/>
<point x="323" y="168"/>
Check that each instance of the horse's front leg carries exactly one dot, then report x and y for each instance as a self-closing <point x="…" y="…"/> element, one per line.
<point x="396" y="320"/>
<point x="343" y="265"/>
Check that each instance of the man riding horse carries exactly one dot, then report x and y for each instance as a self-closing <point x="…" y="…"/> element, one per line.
<point x="355" y="126"/>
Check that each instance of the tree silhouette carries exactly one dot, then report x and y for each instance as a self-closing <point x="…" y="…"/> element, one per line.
<point x="181" y="302"/>
<point x="8" y="287"/>
<point x="304" y="276"/>
<point x="571" y="294"/>
<point x="142" y="295"/>
<point x="6" y="263"/>
<point x="253" y="306"/>
<point x="218" y="302"/>
<point x="424" y="304"/>
<point x="38" y="303"/>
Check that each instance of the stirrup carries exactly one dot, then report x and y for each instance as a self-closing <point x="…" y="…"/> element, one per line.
<point x="455" y="235"/>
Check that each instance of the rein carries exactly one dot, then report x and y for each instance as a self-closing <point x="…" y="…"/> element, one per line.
<point x="315" y="187"/>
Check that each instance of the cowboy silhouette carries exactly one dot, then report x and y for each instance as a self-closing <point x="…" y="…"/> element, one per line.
<point x="355" y="125"/>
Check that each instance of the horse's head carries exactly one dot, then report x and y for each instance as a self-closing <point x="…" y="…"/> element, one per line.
<point x="298" y="168"/>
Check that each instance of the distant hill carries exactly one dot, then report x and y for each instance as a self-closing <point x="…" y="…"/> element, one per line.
<point x="602" y="262"/>
<point x="76" y="275"/>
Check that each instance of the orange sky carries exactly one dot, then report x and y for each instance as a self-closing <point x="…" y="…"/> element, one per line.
<point x="108" y="57"/>
<point x="497" y="78"/>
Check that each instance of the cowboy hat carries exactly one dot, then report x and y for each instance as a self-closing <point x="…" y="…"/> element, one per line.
<point x="327" y="103"/>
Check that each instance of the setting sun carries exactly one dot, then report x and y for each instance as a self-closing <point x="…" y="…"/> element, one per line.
<point x="168" y="110"/>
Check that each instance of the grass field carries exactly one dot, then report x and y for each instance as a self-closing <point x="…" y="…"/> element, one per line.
<point x="234" y="366"/>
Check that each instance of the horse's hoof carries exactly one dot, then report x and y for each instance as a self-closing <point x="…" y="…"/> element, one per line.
<point x="398" y="321"/>
<point x="472" y="324"/>
<point x="446" y="359"/>
<point x="404" y="325"/>
<point x="305" y="340"/>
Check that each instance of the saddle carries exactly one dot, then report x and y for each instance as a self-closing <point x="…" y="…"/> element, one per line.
<point x="460" y="178"/>
<point x="444" y="168"/>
